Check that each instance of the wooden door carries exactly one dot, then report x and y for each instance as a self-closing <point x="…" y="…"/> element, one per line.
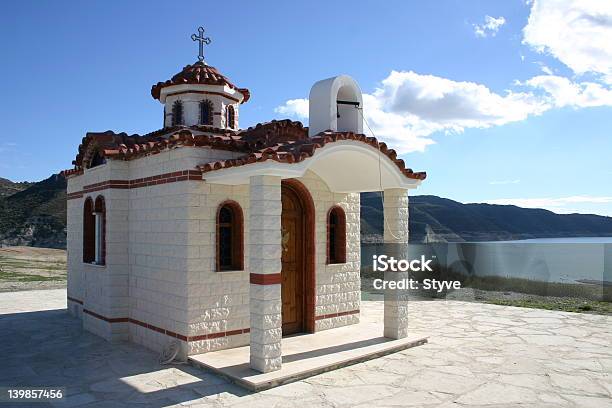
<point x="292" y="273"/>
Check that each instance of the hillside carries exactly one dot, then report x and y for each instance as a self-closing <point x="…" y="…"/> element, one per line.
<point x="434" y="218"/>
<point x="36" y="215"/>
<point x="8" y="187"/>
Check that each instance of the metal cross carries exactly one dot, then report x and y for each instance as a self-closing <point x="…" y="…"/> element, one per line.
<point x="202" y="40"/>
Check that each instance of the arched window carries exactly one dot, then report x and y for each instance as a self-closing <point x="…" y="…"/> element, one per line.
<point x="336" y="236"/>
<point x="89" y="233"/>
<point x="231" y="117"/>
<point x="100" y="242"/>
<point x="94" y="231"/>
<point x="206" y="112"/>
<point x="229" y="237"/>
<point x="177" y="113"/>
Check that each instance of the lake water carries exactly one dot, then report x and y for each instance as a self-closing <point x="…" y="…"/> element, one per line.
<point x="567" y="260"/>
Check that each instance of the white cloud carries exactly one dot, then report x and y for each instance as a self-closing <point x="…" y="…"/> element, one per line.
<point x="452" y="104"/>
<point x="562" y="205"/>
<point x="490" y="27"/>
<point x="560" y="92"/>
<point x="576" y="32"/>
<point x="546" y="70"/>
<point x="504" y="182"/>
<point x="408" y="107"/>
<point x="294" y="107"/>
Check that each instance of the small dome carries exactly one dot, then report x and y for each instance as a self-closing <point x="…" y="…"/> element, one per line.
<point x="200" y="74"/>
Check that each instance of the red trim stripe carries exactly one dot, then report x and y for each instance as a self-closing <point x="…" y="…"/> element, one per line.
<point x="217" y="335"/>
<point x="181" y="175"/>
<point x="192" y="338"/>
<point x="80" y="302"/>
<point x="204" y="93"/>
<point x="107" y="319"/>
<point x="164" y="331"/>
<point x="71" y="196"/>
<point x="328" y="316"/>
<point x="265" y="278"/>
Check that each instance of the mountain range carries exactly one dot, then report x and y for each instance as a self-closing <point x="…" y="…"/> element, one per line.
<point x="34" y="214"/>
<point x="437" y="219"/>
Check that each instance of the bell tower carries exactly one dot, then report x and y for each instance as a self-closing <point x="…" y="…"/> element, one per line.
<point x="335" y="104"/>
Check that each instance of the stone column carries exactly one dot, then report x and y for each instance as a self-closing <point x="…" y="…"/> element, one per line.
<point x="396" y="235"/>
<point x="265" y="267"/>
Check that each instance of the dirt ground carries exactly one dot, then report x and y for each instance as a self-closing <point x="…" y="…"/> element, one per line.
<point x="28" y="268"/>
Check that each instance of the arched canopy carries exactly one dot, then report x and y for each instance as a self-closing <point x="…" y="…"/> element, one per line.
<point x="347" y="166"/>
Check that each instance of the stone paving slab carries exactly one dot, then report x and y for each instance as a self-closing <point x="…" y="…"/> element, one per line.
<point x="307" y="355"/>
<point x="478" y="355"/>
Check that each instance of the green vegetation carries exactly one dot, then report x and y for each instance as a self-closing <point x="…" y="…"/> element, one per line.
<point x="504" y="284"/>
<point x="14" y="263"/>
<point x="533" y="287"/>
<point x="569" y="297"/>
<point x="20" y="266"/>
<point x="24" y="277"/>
<point x="563" y="304"/>
<point x="33" y="213"/>
<point x="7" y="187"/>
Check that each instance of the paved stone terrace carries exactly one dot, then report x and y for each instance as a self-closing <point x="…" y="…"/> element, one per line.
<point x="479" y="356"/>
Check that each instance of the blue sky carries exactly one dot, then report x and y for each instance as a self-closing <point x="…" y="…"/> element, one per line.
<point x="505" y="102"/>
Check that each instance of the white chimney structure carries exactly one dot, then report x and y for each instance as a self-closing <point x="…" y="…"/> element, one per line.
<point x="335" y="104"/>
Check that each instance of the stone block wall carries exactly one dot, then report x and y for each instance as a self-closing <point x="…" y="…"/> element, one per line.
<point x="74" y="247"/>
<point x="159" y="283"/>
<point x="169" y="228"/>
<point x="99" y="290"/>
<point x="218" y="304"/>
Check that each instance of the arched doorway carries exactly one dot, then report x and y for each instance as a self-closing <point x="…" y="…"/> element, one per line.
<point x="297" y="273"/>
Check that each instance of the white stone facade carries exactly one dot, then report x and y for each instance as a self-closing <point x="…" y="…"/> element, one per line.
<point x="159" y="283"/>
<point x="155" y="278"/>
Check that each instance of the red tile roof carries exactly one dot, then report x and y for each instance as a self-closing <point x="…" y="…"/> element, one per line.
<point x="297" y="150"/>
<point x="198" y="73"/>
<point x="125" y="147"/>
<point x="282" y="141"/>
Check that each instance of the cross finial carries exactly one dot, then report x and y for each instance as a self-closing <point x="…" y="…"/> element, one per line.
<point x="202" y="40"/>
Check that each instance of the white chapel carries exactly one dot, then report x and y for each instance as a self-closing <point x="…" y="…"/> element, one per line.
<point x="215" y="236"/>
